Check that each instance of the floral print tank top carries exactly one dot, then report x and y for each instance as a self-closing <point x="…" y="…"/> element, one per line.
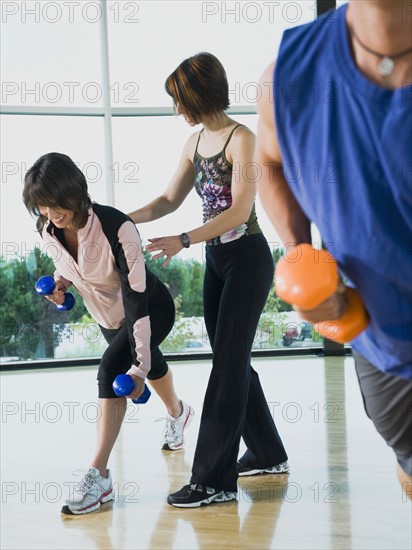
<point x="213" y="183"/>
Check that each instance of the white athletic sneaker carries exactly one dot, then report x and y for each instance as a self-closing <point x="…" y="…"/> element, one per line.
<point x="173" y="435"/>
<point x="93" y="490"/>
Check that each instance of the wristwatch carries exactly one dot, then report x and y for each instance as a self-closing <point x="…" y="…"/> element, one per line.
<point x="184" y="237"/>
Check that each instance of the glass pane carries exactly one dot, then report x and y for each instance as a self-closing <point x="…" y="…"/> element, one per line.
<point x="245" y="36"/>
<point x="147" y="151"/>
<point x="50" y="54"/>
<point x="32" y="328"/>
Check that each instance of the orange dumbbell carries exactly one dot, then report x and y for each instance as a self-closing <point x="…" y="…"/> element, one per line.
<point x="308" y="280"/>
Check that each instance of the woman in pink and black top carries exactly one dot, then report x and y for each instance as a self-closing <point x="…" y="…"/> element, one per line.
<point x="239" y="272"/>
<point x="98" y="250"/>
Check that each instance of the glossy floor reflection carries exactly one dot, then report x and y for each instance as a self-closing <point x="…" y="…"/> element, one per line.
<point x="342" y="491"/>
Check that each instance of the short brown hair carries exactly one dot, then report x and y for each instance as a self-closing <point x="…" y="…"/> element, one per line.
<point x="199" y="85"/>
<point x="55" y="180"/>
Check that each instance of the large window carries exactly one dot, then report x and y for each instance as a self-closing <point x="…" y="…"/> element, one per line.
<point x="148" y="42"/>
<point x="50" y="54"/>
<point x="87" y="79"/>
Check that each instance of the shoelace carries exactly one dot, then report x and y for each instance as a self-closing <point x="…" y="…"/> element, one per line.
<point x="170" y="428"/>
<point x="86" y="483"/>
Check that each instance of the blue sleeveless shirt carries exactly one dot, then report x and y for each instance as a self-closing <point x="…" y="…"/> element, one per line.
<point x="346" y="145"/>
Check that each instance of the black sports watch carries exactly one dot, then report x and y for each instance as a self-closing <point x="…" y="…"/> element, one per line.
<point x="184" y="237"/>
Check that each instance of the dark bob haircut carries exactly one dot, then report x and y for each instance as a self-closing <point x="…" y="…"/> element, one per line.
<point x="55" y="181"/>
<point x="199" y="85"/>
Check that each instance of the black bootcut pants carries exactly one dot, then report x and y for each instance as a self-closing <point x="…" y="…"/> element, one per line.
<point x="237" y="281"/>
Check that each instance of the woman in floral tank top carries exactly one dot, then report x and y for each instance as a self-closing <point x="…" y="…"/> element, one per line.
<point x="239" y="271"/>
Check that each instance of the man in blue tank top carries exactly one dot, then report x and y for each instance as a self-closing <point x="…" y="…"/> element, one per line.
<point x="335" y="148"/>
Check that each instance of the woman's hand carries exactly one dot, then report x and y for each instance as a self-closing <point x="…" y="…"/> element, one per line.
<point x="139" y="387"/>
<point x="168" y="246"/>
<point x="58" y="294"/>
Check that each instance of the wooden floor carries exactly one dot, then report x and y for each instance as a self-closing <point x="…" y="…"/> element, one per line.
<point x="342" y="491"/>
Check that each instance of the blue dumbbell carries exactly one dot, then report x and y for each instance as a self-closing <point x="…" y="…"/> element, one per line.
<point x="124" y="385"/>
<point x="46" y="285"/>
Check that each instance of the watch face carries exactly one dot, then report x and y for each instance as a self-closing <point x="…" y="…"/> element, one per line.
<point x="185" y="240"/>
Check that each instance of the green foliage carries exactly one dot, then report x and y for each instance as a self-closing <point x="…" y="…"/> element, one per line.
<point x="281" y="305"/>
<point x="315" y="336"/>
<point x="181" y="331"/>
<point x="86" y="339"/>
<point x="270" y="329"/>
<point x="30" y="326"/>
<point x="273" y="303"/>
<point x="184" y="279"/>
<point x="192" y="303"/>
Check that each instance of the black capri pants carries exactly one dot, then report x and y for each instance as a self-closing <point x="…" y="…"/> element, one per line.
<point x="388" y="403"/>
<point x="117" y="359"/>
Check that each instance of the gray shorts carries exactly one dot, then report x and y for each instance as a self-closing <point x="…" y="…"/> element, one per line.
<point x="388" y="403"/>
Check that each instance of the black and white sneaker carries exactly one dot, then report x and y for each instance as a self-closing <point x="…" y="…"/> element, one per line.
<point x="245" y="470"/>
<point x="195" y="495"/>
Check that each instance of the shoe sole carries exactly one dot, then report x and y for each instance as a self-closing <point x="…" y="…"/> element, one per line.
<point x="280" y="469"/>
<point x="167" y="447"/>
<point x="220" y="497"/>
<point x="106" y="497"/>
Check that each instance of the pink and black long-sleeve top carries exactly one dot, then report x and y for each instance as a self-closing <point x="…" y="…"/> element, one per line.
<point x="110" y="275"/>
